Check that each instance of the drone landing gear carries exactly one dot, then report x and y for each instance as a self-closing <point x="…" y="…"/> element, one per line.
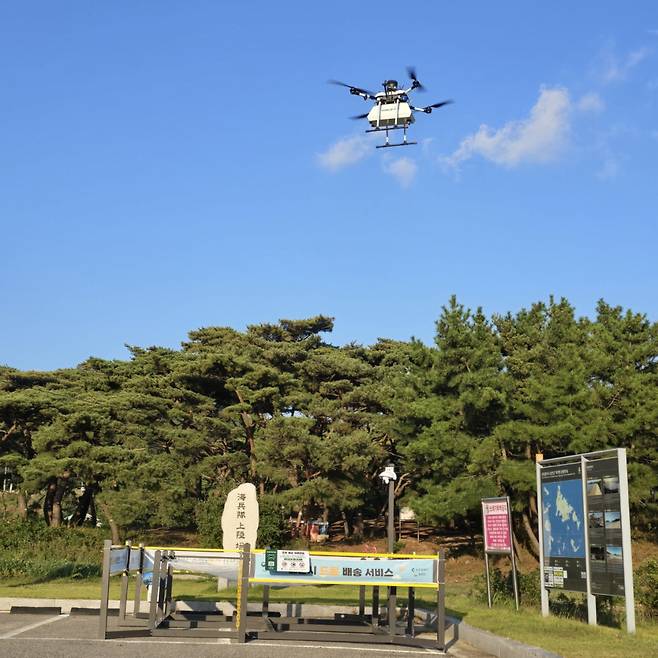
<point x="387" y="143"/>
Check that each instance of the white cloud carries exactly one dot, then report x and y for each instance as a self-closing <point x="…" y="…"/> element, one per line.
<point x="590" y="102"/>
<point x="540" y="137"/>
<point x="616" y="68"/>
<point x="403" y="170"/>
<point x="345" y="152"/>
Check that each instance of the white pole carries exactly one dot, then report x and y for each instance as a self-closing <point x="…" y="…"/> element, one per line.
<point x="626" y="541"/>
<point x="540" y="515"/>
<point x="591" y="599"/>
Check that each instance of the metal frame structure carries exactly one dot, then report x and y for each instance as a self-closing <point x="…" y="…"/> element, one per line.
<point x="583" y="459"/>
<point x="242" y="625"/>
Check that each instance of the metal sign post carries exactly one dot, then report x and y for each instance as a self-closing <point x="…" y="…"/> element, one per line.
<point x="497" y="526"/>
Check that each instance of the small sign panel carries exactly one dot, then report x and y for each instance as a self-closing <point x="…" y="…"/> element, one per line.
<point x="270" y="560"/>
<point x="497" y="534"/>
<point x="293" y="561"/>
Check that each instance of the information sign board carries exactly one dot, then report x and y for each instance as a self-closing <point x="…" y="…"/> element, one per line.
<point x="585" y="530"/>
<point x="324" y="569"/>
<point x="563" y="531"/>
<point x="496" y="523"/>
<point x="606" y="558"/>
<point x="293" y="561"/>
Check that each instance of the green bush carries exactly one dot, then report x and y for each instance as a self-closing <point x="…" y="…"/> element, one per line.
<point x="646" y="587"/>
<point x="272" y="530"/>
<point x="502" y="587"/>
<point x="31" y="549"/>
<point x="209" y="521"/>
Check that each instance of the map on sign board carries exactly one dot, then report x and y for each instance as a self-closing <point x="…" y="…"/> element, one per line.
<point x="293" y="561"/>
<point x="564" y="530"/>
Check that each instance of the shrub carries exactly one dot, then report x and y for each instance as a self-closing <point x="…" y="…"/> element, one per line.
<point x="30" y="549"/>
<point x="502" y="587"/>
<point x="271" y="527"/>
<point x="646" y="587"/>
<point x="272" y="530"/>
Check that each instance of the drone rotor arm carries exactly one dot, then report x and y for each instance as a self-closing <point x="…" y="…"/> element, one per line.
<point x="428" y="109"/>
<point x="356" y="91"/>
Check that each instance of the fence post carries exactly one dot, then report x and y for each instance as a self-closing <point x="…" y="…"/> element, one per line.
<point x="105" y="590"/>
<point x="441" y="602"/>
<point x="169" y="589"/>
<point x="155" y="587"/>
<point x="137" y="603"/>
<point x="265" y="607"/>
<point x="242" y="595"/>
<point x="123" y="597"/>
<point x="411" y="612"/>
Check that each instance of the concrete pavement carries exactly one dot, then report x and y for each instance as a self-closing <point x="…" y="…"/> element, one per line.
<point x="73" y="636"/>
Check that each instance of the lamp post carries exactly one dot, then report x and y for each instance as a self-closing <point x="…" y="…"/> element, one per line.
<point x="389" y="476"/>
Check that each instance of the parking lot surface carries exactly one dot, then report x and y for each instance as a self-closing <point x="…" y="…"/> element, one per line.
<point x="74" y="636"/>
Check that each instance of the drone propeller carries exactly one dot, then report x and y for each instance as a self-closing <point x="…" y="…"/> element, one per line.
<point x="434" y="106"/>
<point x="360" y="116"/>
<point x="411" y="70"/>
<point x="353" y="90"/>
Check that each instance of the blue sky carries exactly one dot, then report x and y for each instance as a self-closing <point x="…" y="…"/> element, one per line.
<point x="171" y="165"/>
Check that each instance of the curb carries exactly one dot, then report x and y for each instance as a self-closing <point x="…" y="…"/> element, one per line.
<point x="62" y="606"/>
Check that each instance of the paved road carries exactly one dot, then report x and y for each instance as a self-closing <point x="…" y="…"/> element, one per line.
<point x="64" y="636"/>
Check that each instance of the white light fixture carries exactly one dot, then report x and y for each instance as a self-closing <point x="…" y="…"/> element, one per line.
<point x="388" y="474"/>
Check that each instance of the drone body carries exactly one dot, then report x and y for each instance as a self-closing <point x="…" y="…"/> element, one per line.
<point x="392" y="109"/>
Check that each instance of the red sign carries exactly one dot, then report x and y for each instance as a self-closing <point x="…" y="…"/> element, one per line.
<point x="497" y="535"/>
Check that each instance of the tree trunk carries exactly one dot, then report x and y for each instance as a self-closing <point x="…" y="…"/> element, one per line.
<point x="22" y="505"/>
<point x="60" y="490"/>
<point x="114" y="528"/>
<point x="346" y="524"/>
<point x="48" y="503"/>
<point x="92" y="511"/>
<point x="248" y="423"/>
<point x="533" y="542"/>
<point x="358" y="526"/>
<point x="84" y="502"/>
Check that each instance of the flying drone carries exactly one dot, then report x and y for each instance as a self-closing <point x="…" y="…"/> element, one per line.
<point x="392" y="109"/>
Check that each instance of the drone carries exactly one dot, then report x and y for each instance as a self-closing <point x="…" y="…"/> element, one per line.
<point x="392" y="109"/>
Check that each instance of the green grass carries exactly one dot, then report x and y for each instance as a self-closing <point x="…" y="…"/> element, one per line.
<point x="568" y="637"/>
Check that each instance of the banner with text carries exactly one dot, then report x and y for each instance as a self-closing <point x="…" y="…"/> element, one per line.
<point x="325" y="569"/>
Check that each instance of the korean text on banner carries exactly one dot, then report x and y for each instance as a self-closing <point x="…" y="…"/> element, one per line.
<point x="412" y="572"/>
<point x="497" y="536"/>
